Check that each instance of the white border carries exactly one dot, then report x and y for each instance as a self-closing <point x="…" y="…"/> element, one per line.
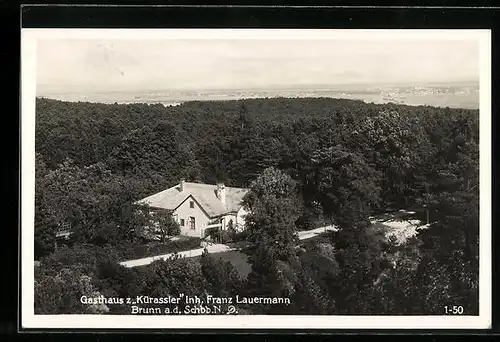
<point x="29" y="39"/>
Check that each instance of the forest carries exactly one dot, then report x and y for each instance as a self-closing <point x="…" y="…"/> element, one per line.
<point x="305" y="160"/>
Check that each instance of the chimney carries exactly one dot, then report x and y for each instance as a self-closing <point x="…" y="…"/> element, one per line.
<point x="221" y="192"/>
<point x="181" y="185"/>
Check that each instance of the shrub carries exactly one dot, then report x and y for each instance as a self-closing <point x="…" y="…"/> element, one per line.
<point x="133" y="251"/>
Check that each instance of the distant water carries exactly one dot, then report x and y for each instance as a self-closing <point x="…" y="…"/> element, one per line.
<point x="442" y="96"/>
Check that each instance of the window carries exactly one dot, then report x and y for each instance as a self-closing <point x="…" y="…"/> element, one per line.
<point x="192" y="223"/>
<point x="182" y="222"/>
<point x="191" y="204"/>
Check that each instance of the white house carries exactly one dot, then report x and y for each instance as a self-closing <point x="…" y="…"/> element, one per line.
<point x="197" y="206"/>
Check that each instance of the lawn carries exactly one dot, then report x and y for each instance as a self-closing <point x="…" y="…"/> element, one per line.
<point x="237" y="259"/>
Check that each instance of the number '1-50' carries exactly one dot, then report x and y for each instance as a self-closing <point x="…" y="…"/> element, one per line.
<point x="455" y="309"/>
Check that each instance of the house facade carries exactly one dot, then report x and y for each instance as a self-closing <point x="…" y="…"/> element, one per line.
<point x="197" y="206"/>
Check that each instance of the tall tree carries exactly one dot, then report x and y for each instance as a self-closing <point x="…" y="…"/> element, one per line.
<point x="394" y="144"/>
<point x="272" y="206"/>
<point x="343" y="181"/>
<point x="154" y="153"/>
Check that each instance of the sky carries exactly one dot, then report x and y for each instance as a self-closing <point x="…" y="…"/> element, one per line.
<point x="92" y="65"/>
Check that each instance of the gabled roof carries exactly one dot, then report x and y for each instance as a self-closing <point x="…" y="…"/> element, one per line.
<point x="204" y="194"/>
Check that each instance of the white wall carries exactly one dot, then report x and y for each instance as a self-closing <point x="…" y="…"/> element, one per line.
<point x="184" y="211"/>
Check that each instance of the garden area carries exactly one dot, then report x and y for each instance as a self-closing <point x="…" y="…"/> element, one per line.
<point x="236" y="258"/>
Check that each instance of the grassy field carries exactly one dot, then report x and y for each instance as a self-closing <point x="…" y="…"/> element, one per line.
<point x="237" y="259"/>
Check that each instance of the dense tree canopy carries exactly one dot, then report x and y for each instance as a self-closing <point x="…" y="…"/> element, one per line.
<point x="307" y="162"/>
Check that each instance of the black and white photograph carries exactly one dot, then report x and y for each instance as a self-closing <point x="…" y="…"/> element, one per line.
<point x="279" y="178"/>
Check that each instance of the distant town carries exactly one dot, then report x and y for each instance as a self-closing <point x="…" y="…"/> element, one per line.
<point x="440" y="95"/>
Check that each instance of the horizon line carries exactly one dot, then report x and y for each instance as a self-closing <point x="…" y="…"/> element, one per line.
<point x="276" y="87"/>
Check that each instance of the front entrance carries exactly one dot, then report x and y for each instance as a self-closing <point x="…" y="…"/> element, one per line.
<point x="212" y="232"/>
